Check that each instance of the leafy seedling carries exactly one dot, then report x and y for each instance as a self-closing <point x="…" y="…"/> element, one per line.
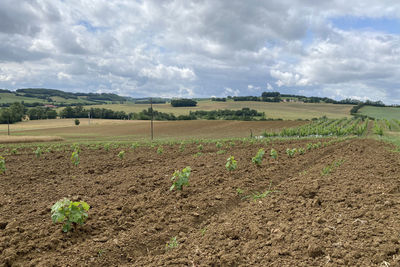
<point x="291" y="152"/>
<point x="239" y="191"/>
<point x="14" y="151"/>
<point x="38" y="152"/>
<point x="257" y="159"/>
<point x="107" y="147"/>
<point x="180" y="179"/>
<point x="160" y="150"/>
<point x="274" y="154"/>
<point x="301" y="151"/>
<point x="2" y="165"/>
<point x="259" y="195"/>
<point x="231" y="164"/>
<point x="70" y="213"/>
<point x="75" y="158"/>
<point x="173" y="243"/>
<point x="219" y="152"/>
<point x="121" y="154"/>
<point x="218" y="145"/>
<point x="200" y="147"/>
<point x="182" y="147"/>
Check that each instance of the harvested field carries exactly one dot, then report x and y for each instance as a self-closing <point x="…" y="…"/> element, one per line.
<point x="136" y="130"/>
<point x="347" y="215"/>
<point x="5" y="139"/>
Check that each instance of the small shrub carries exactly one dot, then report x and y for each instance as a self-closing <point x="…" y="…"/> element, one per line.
<point x="231" y="164"/>
<point x="274" y="154"/>
<point x="69" y="213"/>
<point x="77" y="122"/>
<point x="180" y="179"/>
<point x="121" y="154"/>
<point x="257" y="159"/>
<point x="2" y="165"/>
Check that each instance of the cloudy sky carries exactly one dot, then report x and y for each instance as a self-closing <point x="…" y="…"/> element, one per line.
<point x="335" y="48"/>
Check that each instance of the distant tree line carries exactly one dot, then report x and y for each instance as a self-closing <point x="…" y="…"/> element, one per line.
<point x="184" y="102"/>
<point x="218" y="99"/>
<point x="245" y="114"/>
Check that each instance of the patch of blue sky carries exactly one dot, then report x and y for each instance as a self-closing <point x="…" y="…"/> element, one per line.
<point x="90" y="27"/>
<point x="386" y="25"/>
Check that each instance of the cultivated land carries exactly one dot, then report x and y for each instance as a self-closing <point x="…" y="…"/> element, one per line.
<point x="334" y="202"/>
<point x="287" y="111"/>
<point x="122" y="130"/>
<point x="346" y="214"/>
<point x="390" y="113"/>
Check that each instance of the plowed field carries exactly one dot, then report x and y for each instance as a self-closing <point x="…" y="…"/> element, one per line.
<point x="347" y="216"/>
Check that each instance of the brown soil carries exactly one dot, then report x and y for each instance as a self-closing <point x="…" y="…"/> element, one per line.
<point x="134" y="130"/>
<point x="347" y="217"/>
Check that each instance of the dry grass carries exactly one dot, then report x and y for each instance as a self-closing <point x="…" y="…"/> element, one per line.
<point x="5" y="139"/>
<point x="136" y="130"/>
<point x="286" y="111"/>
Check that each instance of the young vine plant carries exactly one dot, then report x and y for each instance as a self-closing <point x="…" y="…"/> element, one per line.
<point x="70" y="213"/>
<point x="2" y="165"/>
<point x="231" y="164"/>
<point x="257" y="159"/>
<point x="180" y="179"/>
<point x="121" y="154"/>
<point x="274" y="154"/>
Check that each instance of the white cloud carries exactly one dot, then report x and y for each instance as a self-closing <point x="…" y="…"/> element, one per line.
<point x="231" y="92"/>
<point x="148" y="48"/>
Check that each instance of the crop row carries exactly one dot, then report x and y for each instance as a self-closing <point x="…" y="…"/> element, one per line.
<point x="325" y="127"/>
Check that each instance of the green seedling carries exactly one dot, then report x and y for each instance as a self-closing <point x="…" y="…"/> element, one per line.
<point x="309" y="146"/>
<point x="107" y="147"/>
<point x="239" y="191"/>
<point x="291" y="152"/>
<point x="232" y="144"/>
<point x="38" y="152"/>
<point x="134" y="146"/>
<point x="200" y="147"/>
<point x="75" y="158"/>
<point x="182" y="147"/>
<point x="301" y="151"/>
<point x="257" y="159"/>
<point x="326" y="170"/>
<point x="198" y="154"/>
<point x="274" y="154"/>
<point x="121" y="154"/>
<point x="257" y="195"/>
<point x="231" y="164"/>
<point x="75" y="147"/>
<point x="218" y="145"/>
<point x="2" y="165"/>
<point x="14" y="151"/>
<point x="160" y="150"/>
<point x="180" y="179"/>
<point x="203" y="231"/>
<point x="173" y="243"/>
<point x="219" y="152"/>
<point x="70" y="213"/>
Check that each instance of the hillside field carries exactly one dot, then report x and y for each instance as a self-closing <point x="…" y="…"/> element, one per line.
<point x="390" y="113"/>
<point x="128" y="130"/>
<point x="286" y="111"/>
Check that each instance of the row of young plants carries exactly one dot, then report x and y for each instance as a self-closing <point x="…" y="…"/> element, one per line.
<point x="72" y="213"/>
<point x="325" y="127"/>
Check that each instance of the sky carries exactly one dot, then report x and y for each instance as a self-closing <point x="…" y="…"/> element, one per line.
<point x="202" y="48"/>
